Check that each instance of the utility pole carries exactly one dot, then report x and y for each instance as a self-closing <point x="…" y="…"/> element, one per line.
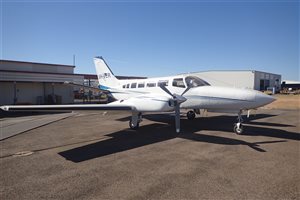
<point x="74" y="60"/>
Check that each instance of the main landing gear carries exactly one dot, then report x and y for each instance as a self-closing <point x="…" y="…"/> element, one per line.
<point x="192" y="114"/>
<point x="134" y="122"/>
<point x="238" y="127"/>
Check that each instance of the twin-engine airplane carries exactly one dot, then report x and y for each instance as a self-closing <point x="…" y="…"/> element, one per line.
<point x="164" y="94"/>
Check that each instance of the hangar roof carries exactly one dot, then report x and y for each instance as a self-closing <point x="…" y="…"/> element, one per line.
<point x="37" y="63"/>
<point x="233" y="70"/>
<point x="34" y="72"/>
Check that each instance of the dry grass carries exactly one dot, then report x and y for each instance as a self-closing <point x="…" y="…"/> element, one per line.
<point x="290" y="102"/>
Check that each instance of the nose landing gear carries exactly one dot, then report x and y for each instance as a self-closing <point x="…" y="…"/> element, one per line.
<point x="238" y="127"/>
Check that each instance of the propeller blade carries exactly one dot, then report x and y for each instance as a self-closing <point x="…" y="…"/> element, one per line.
<point x="166" y="90"/>
<point x="177" y="118"/>
<point x="187" y="89"/>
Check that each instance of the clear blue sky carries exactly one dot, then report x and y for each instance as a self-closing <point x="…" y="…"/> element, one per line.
<point x="153" y="38"/>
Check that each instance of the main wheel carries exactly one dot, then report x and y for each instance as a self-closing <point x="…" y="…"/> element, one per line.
<point x="238" y="129"/>
<point x="132" y="126"/>
<point x="191" y="115"/>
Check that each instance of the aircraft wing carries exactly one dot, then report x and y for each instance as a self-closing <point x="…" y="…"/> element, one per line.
<point x="111" y="106"/>
<point x="142" y="103"/>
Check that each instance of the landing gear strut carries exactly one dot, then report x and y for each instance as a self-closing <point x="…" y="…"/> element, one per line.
<point x="134" y="122"/>
<point x="238" y="127"/>
<point x="191" y="115"/>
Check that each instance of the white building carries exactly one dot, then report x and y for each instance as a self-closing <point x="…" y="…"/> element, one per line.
<point x="250" y="79"/>
<point x="36" y="83"/>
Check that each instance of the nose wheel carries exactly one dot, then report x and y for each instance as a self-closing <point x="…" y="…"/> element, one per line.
<point x="238" y="127"/>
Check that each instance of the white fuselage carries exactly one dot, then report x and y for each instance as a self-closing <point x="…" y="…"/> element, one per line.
<point x="208" y="97"/>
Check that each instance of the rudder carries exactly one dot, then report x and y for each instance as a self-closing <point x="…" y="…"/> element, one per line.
<point x="105" y="76"/>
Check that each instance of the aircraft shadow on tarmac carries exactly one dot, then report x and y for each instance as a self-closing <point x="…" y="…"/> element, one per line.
<point x="157" y="132"/>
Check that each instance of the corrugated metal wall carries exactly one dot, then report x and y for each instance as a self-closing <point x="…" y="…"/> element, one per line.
<point x="35" y="93"/>
<point x="238" y="79"/>
<point x="263" y="80"/>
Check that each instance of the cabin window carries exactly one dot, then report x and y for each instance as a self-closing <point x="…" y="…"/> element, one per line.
<point x="124" y="86"/>
<point x="151" y="84"/>
<point x="133" y="85"/>
<point x="165" y="83"/>
<point x="178" y="82"/>
<point x="193" y="81"/>
<point x="127" y="86"/>
<point x="141" y="85"/>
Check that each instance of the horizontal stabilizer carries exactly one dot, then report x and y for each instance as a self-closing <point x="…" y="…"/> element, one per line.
<point x="85" y="86"/>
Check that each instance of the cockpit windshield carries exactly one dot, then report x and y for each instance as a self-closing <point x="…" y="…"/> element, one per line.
<point x="193" y="81"/>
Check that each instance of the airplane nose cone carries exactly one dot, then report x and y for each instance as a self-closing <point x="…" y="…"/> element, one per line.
<point x="263" y="99"/>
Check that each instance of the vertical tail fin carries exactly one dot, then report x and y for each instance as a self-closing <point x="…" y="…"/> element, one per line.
<point x="106" y="77"/>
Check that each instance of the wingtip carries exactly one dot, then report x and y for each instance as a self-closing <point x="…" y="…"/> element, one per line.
<point x="5" y="108"/>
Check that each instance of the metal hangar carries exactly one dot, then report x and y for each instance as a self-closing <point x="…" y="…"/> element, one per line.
<point x="36" y="83"/>
<point x="250" y="79"/>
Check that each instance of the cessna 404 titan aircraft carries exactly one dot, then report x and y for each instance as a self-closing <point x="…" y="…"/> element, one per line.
<point x="164" y="94"/>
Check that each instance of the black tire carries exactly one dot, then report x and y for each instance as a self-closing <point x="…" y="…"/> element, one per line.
<point x="191" y="115"/>
<point x="237" y="130"/>
<point x="131" y="125"/>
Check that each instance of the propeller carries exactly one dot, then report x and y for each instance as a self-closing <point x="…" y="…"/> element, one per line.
<point x="176" y="101"/>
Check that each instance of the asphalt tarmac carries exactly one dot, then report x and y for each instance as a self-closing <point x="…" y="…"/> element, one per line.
<point x="96" y="156"/>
